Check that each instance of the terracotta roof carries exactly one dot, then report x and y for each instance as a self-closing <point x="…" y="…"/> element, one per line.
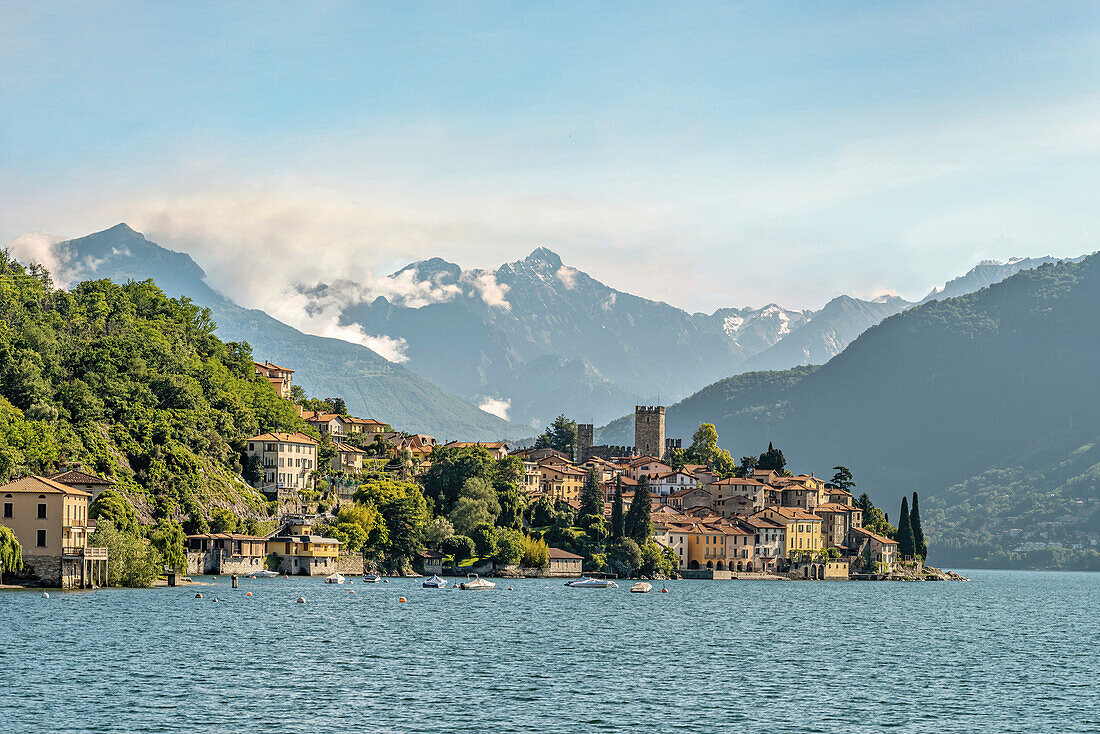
<point x="833" y="507"/>
<point x="297" y="437"/>
<point x="270" y="366"/>
<point x="73" y="476"/>
<point x="729" y="481"/>
<point x="795" y="513"/>
<point x="560" y="554"/>
<point x="41" y="485"/>
<point x="226" y="536"/>
<point x="875" y="536"/>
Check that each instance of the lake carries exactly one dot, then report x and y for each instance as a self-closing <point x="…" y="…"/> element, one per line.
<point x="1006" y="652"/>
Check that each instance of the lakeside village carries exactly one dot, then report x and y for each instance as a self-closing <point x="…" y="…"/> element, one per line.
<point x="352" y="496"/>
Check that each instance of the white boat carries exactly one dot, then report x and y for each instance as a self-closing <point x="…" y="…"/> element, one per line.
<point x="642" y="587"/>
<point x="371" y="578"/>
<point x="587" y="583"/>
<point x="335" y="578"/>
<point x="474" y="582"/>
<point x="434" y="583"/>
<point x="264" y="575"/>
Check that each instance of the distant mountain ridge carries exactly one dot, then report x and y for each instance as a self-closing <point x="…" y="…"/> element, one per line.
<point x="371" y="385"/>
<point x="476" y="333"/>
<point x="986" y="404"/>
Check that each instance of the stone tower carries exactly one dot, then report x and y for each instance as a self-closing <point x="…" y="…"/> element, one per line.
<point x="585" y="434"/>
<point x="649" y="430"/>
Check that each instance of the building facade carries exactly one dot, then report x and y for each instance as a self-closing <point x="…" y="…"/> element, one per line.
<point x="287" y="461"/>
<point x="649" y="430"/>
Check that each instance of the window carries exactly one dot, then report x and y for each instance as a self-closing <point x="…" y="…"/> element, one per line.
<point x="40" y="541"/>
<point x="42" y="511"/>
<point x="8" y="509"/>
<point x="251" y="446"/>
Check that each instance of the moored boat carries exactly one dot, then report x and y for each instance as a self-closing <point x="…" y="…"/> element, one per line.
<point x="474" y="582"/>
<point x="335" y="578"/>
<point x="642" y="587"/>
<point x="371" y="578"/>
<point x="587" y="583"/>
<point x="434" y="583"/>
<point x="264" y="575"/>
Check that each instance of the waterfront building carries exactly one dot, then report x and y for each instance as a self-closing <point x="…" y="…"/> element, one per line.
<point x="803" y="529"/>
<point x="878" y="548"/>
<point x="50" y="520"/>
<point x="563" y="563"/>
<point x="225" y="553"/>
<point x="299" y="552"/>
<point x="287" y="461"/>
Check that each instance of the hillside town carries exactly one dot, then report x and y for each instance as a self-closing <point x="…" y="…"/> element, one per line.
<point x="705" y="521"/>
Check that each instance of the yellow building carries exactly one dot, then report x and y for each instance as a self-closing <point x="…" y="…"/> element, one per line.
<point x="560" y="481"/>
<point x="803" y="531"/>
<point x="302" y="553"/>
<point x="50" y="520"/>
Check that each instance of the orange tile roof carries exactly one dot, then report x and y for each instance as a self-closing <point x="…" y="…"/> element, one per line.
<point x="297" y="437"/>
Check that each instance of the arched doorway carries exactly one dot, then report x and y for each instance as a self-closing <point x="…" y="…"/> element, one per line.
<point x="720" y="567"/>
<point x="693" y="565"/>
<point x="710" y="565"/>
<point x="805" y="572"/>
<point x="821" y="571"/>
<point x="749" y="567"/>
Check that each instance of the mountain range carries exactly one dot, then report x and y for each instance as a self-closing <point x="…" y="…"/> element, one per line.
<point x="986" y="404"/>
<point x="370" y="385"/>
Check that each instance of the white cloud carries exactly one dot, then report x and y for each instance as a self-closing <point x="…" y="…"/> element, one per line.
<point x="38" y="247"/>
<point x="486" y="285"/>
<point x="496" y="406"/>
<point x="567" y="276"/>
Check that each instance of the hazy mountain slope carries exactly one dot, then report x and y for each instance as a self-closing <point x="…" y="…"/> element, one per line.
<point x="371" y="385"/>
<point x="832" y="329"/>
<point x="937" y="394"/>
<point x="988" y="272"/>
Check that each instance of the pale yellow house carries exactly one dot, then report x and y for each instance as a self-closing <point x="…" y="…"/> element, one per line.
<point x="803" y="529"/>
<point x="50" y="520"/>
<point x="288" y="461"/>
<point x="299" y="552"/>
<point x="278" y="377"/>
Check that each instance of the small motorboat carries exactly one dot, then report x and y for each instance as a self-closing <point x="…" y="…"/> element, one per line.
<point x="474" y="582"/>
<point x="434" y="583"/>
<point x="264" y="575"/>
<point x="371" y="578"/>
<point x="642" y="587"/>
<point x="335" y="578"/>
<point x="587" y="583"/>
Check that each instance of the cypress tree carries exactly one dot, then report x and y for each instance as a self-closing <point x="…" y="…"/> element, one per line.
<point x="905" y="531"/>
<point x="638" y="527"/>
<point x="920" y="546"/>
<point x="617" y="511"/>
<point x="591" y="496"/>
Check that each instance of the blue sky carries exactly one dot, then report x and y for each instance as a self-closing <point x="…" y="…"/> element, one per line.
<point x="704" y="154"/>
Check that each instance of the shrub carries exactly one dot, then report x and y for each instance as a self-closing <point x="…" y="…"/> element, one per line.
<point x="485" y="539"/>
<point x="459" y="546"/>
<point x="536" y="553"/>
<point x="510" y="547"/>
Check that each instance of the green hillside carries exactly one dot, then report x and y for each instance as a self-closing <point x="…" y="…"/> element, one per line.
<point x="133" y="385"/>
<point x="986" y="404"/>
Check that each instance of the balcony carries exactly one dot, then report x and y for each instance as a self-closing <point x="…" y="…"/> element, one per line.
<point x="77" y="551"/>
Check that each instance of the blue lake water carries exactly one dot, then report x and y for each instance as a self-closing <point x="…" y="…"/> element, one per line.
<point x="1006" y="652"/>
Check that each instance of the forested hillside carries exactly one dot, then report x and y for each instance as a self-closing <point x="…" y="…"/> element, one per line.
<point x="987" y="404"/>
<point x="133" y="385"/>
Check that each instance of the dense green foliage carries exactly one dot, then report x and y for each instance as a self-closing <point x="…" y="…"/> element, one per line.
<point x="11" y="552"/>
<point x="133" y="385"/>
<point x="637" y="524"/>
<point x="906" y="547"/>
<point x="133" y="561"/>
<point x="618" y="520"/>
<point x="560" y="435"/>
<point x="920" y="545"/>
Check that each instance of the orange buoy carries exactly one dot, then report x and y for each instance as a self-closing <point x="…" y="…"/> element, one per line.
<point x="198" y="596"/>
<point x="401" y="599"/>
<point x="248" y="593"/>
<point x="664" y="590"/>
<point x="351" y="591"/>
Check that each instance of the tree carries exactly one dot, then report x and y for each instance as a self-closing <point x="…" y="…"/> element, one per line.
<point x="676" y="458"/>
<point x="704" y="445"/>
<point x="510" y="547"/>
<point x="467" y="514"/>
<point x="746" y="467"/>
<point x="438" y="531"/>
<point x="249" y="526"/>
<point x="842" y="478"/>
<point x="195" y="524"/>
<point x="624" y="557"/>
<point x="540" y="513"/>
<point x="772" y="460"/>
<point x="637" y="525"/>
<point x="404" y="516"/>
<point x="111" y="505"/>
<point x="222" y="521"/>
<point x="513" y="503"/>
<point x="339" y="407"/>
<point x="920" y="546"/>
<point x="905" y="531"/>
<point x="592" y="495"/>
<point x="133" y="562"/>
<point x="560" y="435"/>
<point x="326" y="452"/>
<point x="460" y="547"/>
<point x="617" y="520"/>
<point x="484" y="536"/>
<point x="11" y="552"/>
<point x="167" y="538"/>
<point x="536" y="553"/>
<point x="451" y="468"/>
<point x="873" y="518"/>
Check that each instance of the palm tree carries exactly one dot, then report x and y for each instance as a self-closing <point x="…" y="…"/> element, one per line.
<point x="11" y="552"/>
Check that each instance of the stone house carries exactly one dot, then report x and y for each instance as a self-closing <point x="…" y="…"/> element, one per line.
<point x="225" y="553"/>
<point x="564" y="564"/>
<point x="300" y="553"/>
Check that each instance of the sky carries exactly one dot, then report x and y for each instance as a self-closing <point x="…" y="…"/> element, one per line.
<point x="707" y="155"/>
